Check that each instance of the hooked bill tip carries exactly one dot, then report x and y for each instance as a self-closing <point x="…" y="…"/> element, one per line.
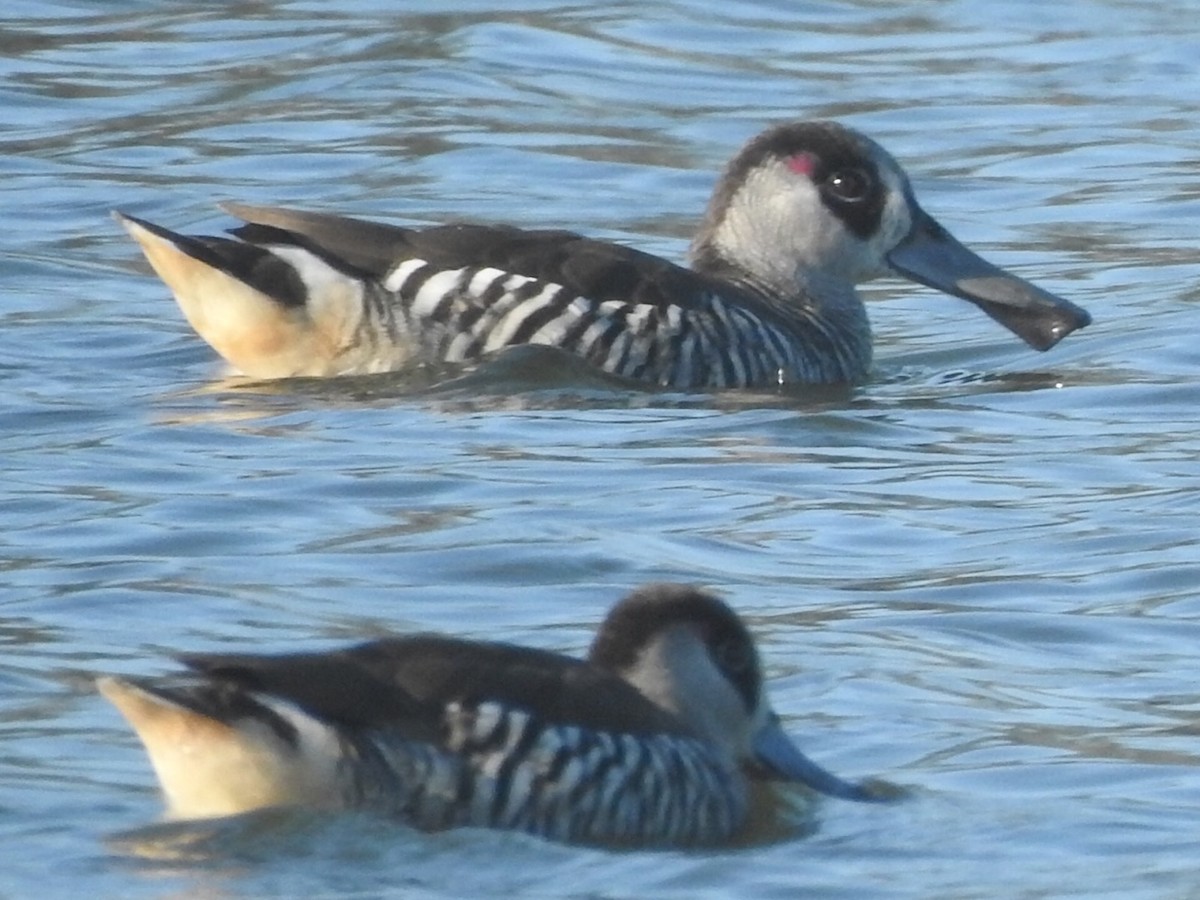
<point x="930" y="255"/>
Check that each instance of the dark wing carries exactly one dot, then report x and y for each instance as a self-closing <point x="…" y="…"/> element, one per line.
<point x="407" y="682"/>
<point x="598" y="270"/>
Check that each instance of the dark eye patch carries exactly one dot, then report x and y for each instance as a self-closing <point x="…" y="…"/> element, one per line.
<point x="733" y="657"/>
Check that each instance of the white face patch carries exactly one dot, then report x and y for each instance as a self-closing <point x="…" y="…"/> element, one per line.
<point x="778" y="227"/>
<point x="677" y="672"/>
<point x="896" y="220"/>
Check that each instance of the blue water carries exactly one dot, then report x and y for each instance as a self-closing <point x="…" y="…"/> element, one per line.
<point x="975" y="576"/>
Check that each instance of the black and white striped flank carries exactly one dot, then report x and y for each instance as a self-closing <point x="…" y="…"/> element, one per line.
<point x="464" y="314"/>
<point x="503" y="768"/>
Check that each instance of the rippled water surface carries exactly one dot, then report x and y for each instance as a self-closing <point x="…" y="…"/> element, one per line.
<point x="975" y="575"/>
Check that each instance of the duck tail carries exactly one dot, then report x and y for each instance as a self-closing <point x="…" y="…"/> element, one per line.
<point x="271" y="310"/>
<point x="220" y="750"/>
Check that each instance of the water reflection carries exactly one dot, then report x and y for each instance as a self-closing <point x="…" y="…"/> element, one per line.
<point x="977" y="571"/>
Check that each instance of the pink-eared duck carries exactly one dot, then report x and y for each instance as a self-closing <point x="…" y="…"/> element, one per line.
<point x="662" y="737"/>
<point x="803" y="213"/>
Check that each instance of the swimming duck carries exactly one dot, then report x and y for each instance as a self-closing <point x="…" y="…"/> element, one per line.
<point x="657" y="738"/>
<point x="803" y="213"/>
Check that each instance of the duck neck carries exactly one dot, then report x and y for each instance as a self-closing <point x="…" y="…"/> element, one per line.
<point x="825" y="315"/>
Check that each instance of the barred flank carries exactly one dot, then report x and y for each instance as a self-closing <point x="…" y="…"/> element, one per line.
<point x="458" y="315"/>
<point x="502" y="768"/>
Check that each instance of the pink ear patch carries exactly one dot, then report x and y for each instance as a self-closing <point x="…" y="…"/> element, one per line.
<point x="802" y="164"/>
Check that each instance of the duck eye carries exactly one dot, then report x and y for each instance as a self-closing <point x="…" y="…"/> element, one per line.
<point x="849" y="185"/>
<point x="733" y="657"/>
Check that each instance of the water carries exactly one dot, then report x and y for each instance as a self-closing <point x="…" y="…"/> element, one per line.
<point x="975" y="576"/>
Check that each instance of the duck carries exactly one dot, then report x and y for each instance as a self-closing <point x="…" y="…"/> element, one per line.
<point x="803" y="213"/>
<point x="663" y="736"/>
